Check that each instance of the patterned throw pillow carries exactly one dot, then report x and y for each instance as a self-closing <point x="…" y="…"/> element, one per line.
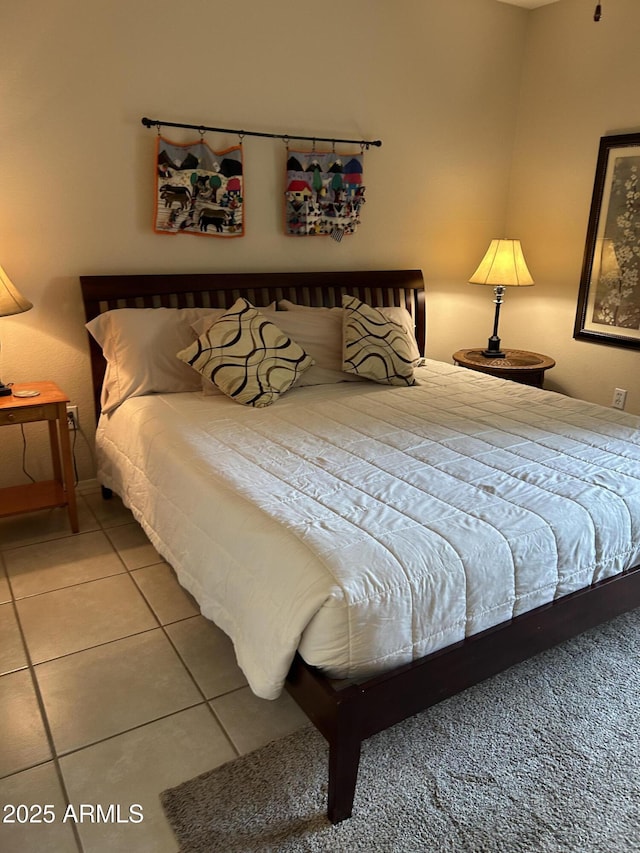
<point x="375" y="347"/>
<point x="249" y="359"/>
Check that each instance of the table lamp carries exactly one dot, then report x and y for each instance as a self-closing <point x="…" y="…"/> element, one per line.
<point x="502" y="266"/>
<point x="11" y="302"/>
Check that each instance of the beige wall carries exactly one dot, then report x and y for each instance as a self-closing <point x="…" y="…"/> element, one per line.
<point x="580" y="83"/>
<point x="439" y="83"/>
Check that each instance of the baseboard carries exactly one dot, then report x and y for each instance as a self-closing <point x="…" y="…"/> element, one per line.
<point x="88" y="486"/>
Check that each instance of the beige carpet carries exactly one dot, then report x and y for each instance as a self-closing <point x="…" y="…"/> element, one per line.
<point x="542" y="758"/>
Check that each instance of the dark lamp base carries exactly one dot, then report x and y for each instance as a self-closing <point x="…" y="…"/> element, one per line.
<point x="493" y="347"/>
<point x="5" y="391"/>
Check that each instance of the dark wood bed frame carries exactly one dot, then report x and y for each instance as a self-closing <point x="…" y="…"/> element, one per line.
<point x="348" y="713"/>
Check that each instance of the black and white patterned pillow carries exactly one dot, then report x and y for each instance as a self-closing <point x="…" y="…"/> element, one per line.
<point x="247" y="357"/>
<point x="375" y="347"/>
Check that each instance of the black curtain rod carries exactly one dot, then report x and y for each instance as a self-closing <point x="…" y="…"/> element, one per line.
<point x="152" y="122"/>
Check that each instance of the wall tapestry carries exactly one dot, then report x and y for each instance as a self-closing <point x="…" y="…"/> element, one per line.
<point x="324" y="193"/>
<point x="199" y="190"/>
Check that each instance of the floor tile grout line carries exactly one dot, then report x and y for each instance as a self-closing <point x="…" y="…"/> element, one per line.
<point x="164" y="626"/>
<point x="45" y="722"/>
<point x="95" y="646"/>
<point x="114" y="735"/>
<point x="54" y="537"/>
<point x="186" y="668"/>
<point x="183" y="662"/>
<point x="56" y="756"/>
<point x="102" y="526"/>
<point x="33" y="595"/>
<point x="201" y="691"/>
<point x="26" y="769"/>
<point x="87" y="582"/>
<point x="125" y="571"/>
<point x="116" y="550"/>
<point x="4" y="573"/>
<point x="159" y="625"/>
<point x="117" y="640"/>
<point x="216" y="717"/>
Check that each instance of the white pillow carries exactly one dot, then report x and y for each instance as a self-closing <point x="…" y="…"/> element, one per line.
<point x="319" y="332"/>
<point x="204" y="322"/>
<point x="247" y="357"/>
<point x="140" y="346"/>
<point x="395" y="313"/>
<point x="374" y="347"/>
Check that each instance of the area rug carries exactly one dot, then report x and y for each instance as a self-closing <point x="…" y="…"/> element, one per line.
<point x="544" y="757"/>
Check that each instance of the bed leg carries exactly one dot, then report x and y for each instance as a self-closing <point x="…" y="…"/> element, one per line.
<point x="107" y="494"/>
<point x="344" y="759"/>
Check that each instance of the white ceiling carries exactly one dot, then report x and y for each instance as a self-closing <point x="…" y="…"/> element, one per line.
<point x="528" y="4"/>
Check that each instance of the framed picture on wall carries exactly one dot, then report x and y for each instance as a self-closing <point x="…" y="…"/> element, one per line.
<point x="609" y="299"/>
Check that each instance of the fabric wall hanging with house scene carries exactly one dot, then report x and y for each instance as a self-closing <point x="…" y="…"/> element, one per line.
<point x="324" y="193"/>
<point x="199" y="190"/>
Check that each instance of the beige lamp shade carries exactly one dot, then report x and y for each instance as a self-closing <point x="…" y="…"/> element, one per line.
<point x="503" y="264"/>
<point x="11" y="300"/>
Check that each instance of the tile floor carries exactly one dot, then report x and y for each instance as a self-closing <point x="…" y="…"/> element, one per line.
<point x="112" y="686"/>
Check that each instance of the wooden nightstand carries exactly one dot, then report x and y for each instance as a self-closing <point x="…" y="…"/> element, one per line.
<point x="518" y="365"/>
<point x="50" y="405"/>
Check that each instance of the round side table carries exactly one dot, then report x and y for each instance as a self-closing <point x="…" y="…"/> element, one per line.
<point x="528" y="368"/>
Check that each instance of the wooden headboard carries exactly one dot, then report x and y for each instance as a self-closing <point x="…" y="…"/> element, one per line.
<point x="102" y="293"/>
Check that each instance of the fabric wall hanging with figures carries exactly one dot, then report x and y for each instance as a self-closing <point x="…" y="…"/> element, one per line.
<point x="324" y="193"/>
<point x="199" y="190"/>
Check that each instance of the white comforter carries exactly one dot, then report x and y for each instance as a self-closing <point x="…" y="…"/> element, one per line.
<point x="366" y="525"/>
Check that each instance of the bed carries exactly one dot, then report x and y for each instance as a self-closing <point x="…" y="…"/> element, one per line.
<point x="374" y="547"/>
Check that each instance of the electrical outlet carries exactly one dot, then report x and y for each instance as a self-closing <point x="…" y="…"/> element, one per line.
<point x="72" y="418"/>
<point x="619" y="398"/>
